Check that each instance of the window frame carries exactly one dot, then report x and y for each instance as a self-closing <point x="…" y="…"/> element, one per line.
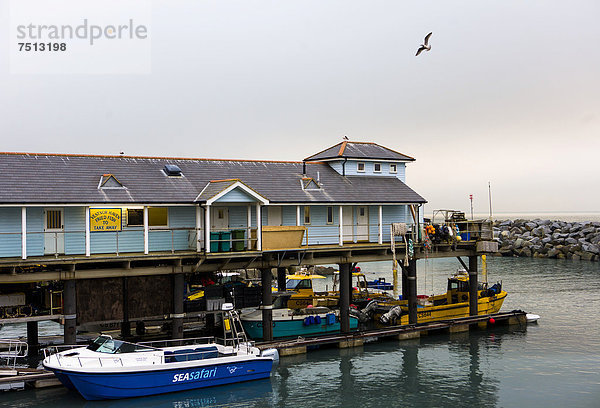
<point x="395" y="170"/>
<point x="375" y="167"/>
<point x="306" y="215"/>
<point x="329" y="212"/>
<point x="358" y="166"/>
<point x="150" y="225"/>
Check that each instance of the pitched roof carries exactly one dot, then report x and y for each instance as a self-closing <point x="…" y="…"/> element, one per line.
<point x="63" y="179"/>
<point x="359" y="150"/>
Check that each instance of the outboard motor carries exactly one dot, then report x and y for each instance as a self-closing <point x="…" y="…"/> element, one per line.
<point x="272" y="353"/>
<point x="391" y="316"/>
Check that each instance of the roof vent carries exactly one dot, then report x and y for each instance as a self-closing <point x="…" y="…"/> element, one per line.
<point x="109" y="181"/>
<point x="309" y="183"/>
<point x="172" y="170"/>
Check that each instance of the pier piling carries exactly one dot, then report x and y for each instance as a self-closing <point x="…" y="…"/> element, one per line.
<point x="178" y="294"/>
<point x="32" y="338"/>
<point x="473" y="286"/>
<point x="345" y="284"/>
<point x="266" y="277"/>
<point x="412" y="291"/>
<point x="281" y="281"/>
<point x="70" y="311"/>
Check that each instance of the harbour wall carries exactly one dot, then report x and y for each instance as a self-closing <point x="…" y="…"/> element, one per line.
<point x="548" y="239"/>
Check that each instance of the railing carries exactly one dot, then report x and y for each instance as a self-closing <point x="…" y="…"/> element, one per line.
<point x="11" y="351"/>
<point x="241" y="238"/>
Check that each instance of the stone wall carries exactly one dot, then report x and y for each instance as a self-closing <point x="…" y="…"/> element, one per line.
<point x="548" y="239"/>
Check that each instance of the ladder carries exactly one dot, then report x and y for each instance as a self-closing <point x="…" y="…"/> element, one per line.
<point x="234" y="333"/>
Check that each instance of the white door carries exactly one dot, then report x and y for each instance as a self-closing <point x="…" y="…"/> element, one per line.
<point x="362" y="223"/>
<point x="54" y="231"/>
<point x="219" y="219"/>
<point x="347" y="224"/>
<point x="274" y="216"/>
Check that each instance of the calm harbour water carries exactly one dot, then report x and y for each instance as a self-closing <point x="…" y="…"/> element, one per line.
<point x="552" y="364"/>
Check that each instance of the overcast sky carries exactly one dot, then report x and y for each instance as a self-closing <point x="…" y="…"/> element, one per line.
<point x="509" y="93"/>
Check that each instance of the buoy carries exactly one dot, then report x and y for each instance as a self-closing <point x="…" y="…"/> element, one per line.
<point x="309" y="306"/>
<point x="492" y="320"/>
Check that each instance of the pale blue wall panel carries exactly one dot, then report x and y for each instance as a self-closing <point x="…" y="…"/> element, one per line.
<point x="74" y="230"/>
<point x="183" y="217"/>
<point x="288" y="214"/>
<point x="236" y="196"/>
<point x="35" y="228"/>
<point x="318" y="231"/>
<point x="10" y="232"/>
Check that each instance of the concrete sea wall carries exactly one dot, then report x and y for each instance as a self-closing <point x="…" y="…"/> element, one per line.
<point x="548" y="239"/>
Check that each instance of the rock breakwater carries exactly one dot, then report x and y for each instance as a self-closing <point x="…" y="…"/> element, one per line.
<point x="548" y="239"/>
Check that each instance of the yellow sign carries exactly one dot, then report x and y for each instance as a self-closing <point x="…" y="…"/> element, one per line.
<point x="105" y="219"/>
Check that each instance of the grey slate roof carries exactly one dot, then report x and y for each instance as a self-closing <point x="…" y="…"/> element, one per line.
<point x="64" y="179"/>
<point x="359" y="150"/>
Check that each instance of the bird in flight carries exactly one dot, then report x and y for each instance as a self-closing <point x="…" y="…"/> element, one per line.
<point x="425" y="46"/>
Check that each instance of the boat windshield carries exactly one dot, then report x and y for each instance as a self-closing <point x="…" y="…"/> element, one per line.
<point x="298" y="284"/>
<point x="105" y="344"/>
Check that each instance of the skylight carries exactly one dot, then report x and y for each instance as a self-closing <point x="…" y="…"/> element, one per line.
<point x="172" y="170"/>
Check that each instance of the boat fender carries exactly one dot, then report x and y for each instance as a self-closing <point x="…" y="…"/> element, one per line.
<point x="272" y="353"/>
<point x="311" y="320"/>
<point x="317" y="319"/>
<point x="306" y="321"/>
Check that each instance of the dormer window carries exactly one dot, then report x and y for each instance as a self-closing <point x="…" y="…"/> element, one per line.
<point x="377" y="167"/>
<point x="309" y="183"/>
<point x="360" y="167"/>
<point x="393" y="168"/>
<point x="109" y="181"/>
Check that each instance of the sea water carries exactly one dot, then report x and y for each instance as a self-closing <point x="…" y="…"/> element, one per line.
<point x="555" y="363"/>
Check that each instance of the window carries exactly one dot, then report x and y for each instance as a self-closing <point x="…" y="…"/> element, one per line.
<point x="54" y="219"/>
<point x="329" y="215"/>
<point x="361" y="211"/>
<point x="377" y="167"/>
<point x="157" y="217"/>
<point x="393" y="168"/>
<point x="306" y="214"/>
<point x="360" y="167"/>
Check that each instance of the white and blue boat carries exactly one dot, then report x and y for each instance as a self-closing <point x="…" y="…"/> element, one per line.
<point x="112" y="369"/>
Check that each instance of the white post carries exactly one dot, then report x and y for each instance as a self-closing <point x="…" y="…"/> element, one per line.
<point x="146" y="230"/>
<point x="341" y="226"/>
<point x="258" y="228"/>
<point x="198" y="228"/>
<point x="24" y="232"/>
<point x="88" y="249"/>
<point x="298" y="216"/>
<point x="249" y="219"/>
<point x="207" y="228"/>
<point x="380" y="225"/>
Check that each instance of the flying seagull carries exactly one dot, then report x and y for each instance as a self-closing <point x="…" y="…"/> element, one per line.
<point x="346" y="137"/>
<point x="426" y="46"/>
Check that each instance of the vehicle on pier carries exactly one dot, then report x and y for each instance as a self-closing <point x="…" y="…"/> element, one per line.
<point x="112" y="369"/>
<point x="451" y="305"/>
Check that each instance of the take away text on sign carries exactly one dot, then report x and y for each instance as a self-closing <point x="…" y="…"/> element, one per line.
<point x="105" y="219"/>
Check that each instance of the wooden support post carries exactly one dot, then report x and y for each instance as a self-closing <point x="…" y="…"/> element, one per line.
<point x="380" y="235"/>
<point x="198" y="229"/>
<point x="341" y="218"/>
<point x="473" y="286"/>
<point x="146" y="231"/>
<point x="258" y="228"/>
<point x="178" y="293"/>
<point x="281" y="281"/>
<point x="70" y="312"/>
<point x="125" y="325"/>
<point x="345" y="276"/>
<point x="266" y="277"/>
<point x="412" y="291"/>
<point x="33" y="343"/>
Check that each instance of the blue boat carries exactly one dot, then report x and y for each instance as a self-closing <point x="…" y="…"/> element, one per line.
<point x="112" y="369"/>
<point x="380" y="284"/>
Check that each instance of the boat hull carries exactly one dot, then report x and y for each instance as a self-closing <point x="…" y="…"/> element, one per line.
<point x="294" y="328"/>
<point x="115" y="385"/>
<point x="457" y="310"/>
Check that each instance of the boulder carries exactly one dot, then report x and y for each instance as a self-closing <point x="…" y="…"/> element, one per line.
<point x="546" y="240"/>
<point x="525" y="252"/>
<point x="571" y="241"/>
<point x="552" y="253"/>
<point x="530" y="225"/>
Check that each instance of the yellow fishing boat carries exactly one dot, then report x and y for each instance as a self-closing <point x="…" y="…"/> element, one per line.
<point x="451" y="305"/>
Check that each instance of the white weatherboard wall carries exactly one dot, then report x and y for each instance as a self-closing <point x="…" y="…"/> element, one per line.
<point x="352" y="168"/>
<point x="74" y="223"/>
<point x="35" y="228"/>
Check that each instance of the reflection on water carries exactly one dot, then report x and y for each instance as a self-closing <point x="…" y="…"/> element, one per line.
<point x="554" y="363"/>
